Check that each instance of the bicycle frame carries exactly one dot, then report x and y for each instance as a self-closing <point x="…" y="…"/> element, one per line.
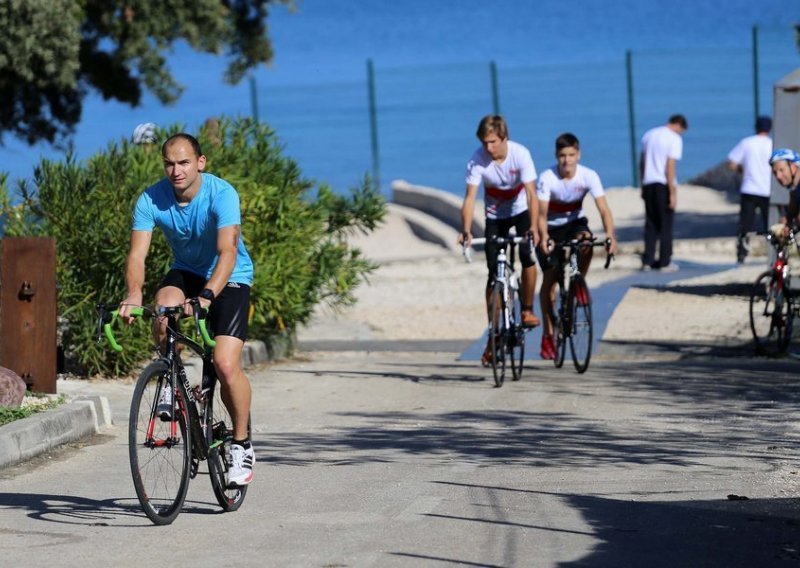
<point x="182" y="388"/>
<point x="567" y="271"/>
<point x="168" y="437"/>
<point x="572" y="322"/>
<point x="506" y="336"/>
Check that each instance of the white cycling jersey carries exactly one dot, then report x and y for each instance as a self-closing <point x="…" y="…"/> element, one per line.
<point x="564" y="197"/>
<point x="504" y="183"/>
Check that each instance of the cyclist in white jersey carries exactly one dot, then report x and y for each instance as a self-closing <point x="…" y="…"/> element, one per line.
<point x="506" y="170"/>
<point x="561" y="190"/>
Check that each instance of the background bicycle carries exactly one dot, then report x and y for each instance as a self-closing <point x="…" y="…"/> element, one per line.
<point x="572" y="309"/>
<point x="773" y="304"/>
<point x="173" y="424"/>
<point x="506" y="333"/>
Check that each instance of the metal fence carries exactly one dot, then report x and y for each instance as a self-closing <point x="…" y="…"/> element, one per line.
<point x="418" y="123"/>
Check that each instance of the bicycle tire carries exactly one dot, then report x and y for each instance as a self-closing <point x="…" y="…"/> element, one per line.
<point x="771" y="315"/>
<point x="581" y="332"/>
<point x="516" y="346"/>
<point x="497" y="335"/>
<point x="159" y="462"/>
<point x="219" y="433"/>
<point x="560" y="325"/>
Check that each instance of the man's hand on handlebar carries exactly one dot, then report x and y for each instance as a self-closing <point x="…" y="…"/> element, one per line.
<point x="465" y="239"/>
<point x="127" y="304"/>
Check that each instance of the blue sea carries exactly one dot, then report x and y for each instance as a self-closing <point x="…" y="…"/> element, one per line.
<point x="560" y="67"/>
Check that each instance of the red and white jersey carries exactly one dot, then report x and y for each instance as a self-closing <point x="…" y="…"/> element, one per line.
<point x="564" y="197"/>
<point x="504" y="183"/>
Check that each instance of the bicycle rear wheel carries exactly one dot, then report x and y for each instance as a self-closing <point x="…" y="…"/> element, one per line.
<point x="770" y="315"/>
<point x="517" y="334"/>
<point x="497" y="335"/>
<point x="219" y="430"/>
<point x="159" y="450"/>
<point x="580" y="337"/>
<point x="561" y="325"/>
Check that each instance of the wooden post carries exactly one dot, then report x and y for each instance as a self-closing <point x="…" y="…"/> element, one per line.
<point x="28" y="310"/>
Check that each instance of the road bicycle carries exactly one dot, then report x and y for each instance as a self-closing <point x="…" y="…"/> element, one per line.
<point x="773" y="305"/>
<point x="166" y="448"/>
<point x="572" y="309"/>
<point x="506" y="333"/>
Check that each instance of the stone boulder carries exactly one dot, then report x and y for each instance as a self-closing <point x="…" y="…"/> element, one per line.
<point x="12" y="388"/>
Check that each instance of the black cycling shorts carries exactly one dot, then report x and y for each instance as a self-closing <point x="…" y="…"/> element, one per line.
<point x="230" y="310"/>
<point x="562" y="233"/>
<point x="501" y="228"/>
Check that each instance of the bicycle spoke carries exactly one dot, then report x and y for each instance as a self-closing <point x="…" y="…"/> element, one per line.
<point x="771" y="315"/>
<point x="159" y="450"/>
<point x="497" y="337"/>
<point x="580" y="339"/>
<point x="219" y="429"/>
<point x="517" y="335"/>
<point x="561" y="325"/>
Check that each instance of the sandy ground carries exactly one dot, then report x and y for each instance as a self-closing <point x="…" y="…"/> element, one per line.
<point x="422" y="291"/>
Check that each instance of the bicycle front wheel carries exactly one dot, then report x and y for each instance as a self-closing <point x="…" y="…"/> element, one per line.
<point x="160" y="449"/>
<point x="561" y="325"/>
<point x="516" y="346"/>
<point x="580" y="337"/>
<point x="497" y="335"/>
<point x="770" y="315"/>
<point x="219" y="430"/>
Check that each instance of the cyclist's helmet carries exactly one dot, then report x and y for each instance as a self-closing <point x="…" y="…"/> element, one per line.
<point x="145" y="134"/>
<point x="784" y="154"/>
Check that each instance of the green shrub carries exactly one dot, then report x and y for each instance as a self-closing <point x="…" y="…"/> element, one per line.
<point x="296" y="238"/>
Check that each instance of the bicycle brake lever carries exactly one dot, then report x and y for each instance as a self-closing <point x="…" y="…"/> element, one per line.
<point x="467" y="253"/>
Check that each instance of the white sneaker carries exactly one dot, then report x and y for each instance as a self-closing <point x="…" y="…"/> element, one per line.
<point x="671" y="267"/>
<point x="241" y="471"/>
<point x="164" y="406"/>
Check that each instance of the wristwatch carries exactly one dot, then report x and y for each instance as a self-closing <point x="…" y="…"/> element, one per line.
<point x="207" y="294"/>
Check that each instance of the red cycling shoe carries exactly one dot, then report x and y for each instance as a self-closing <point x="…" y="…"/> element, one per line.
<point x="548" y="350"/>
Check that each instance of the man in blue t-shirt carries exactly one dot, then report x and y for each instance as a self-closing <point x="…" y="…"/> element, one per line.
<point x="199" y="215"/>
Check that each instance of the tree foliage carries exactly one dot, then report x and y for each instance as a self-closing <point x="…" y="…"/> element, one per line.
<point x="53" y="52"/>
<point x="297" y="239"/>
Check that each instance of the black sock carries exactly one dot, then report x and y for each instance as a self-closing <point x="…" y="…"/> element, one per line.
<point x="244" y="443"/>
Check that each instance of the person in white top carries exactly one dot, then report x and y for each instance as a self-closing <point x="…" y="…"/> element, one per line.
<point x="561" y="190"/>
<point x="508" y="174"/>
<point x="750" y="157"/>
<point x="662" y="147"/>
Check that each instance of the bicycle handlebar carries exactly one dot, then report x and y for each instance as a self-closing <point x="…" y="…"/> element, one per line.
<point x="500" y="241"/>
<point x="575" y="243"/>
<point x="107" y="318"/>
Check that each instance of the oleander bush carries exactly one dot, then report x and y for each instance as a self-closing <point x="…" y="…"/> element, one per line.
<point x="294" y="230"/>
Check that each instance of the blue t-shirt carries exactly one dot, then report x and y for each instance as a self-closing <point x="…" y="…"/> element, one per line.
<point x="191" y="230"/>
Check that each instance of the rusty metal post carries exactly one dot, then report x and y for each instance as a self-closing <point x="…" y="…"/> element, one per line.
<point x="28" y="310"/>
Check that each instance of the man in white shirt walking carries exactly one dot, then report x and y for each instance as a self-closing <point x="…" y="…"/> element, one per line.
<point x="750" y="157"/>
<point x="662" y="147"/>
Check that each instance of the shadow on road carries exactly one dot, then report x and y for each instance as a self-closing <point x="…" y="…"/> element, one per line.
<point x="80" y="510"/>
<point x="732" y="531"/>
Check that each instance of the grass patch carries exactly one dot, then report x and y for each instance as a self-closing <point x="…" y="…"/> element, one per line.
<point x="31" y="404"/>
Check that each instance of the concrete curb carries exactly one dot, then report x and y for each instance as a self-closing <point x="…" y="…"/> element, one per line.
<point x="88" y="415"/>
<point x="437" y="203"/>
<point x="34" y="435"/>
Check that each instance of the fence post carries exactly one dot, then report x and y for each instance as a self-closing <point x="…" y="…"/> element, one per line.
<point x="373" y="126"/>
<point x="495" y="90"/>
<point x="755" y="72"/>
<point x="253" y="99"/>
<point x="631" y="117"/>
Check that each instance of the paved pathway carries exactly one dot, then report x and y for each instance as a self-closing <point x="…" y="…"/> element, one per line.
<point x="413" y="459"/>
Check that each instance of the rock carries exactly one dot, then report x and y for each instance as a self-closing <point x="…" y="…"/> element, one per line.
<point x="720" y="178"/>
<point x="12" y="388"/>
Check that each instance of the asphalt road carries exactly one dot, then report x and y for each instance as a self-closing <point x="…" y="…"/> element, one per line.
<point x="415" y="459"/>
